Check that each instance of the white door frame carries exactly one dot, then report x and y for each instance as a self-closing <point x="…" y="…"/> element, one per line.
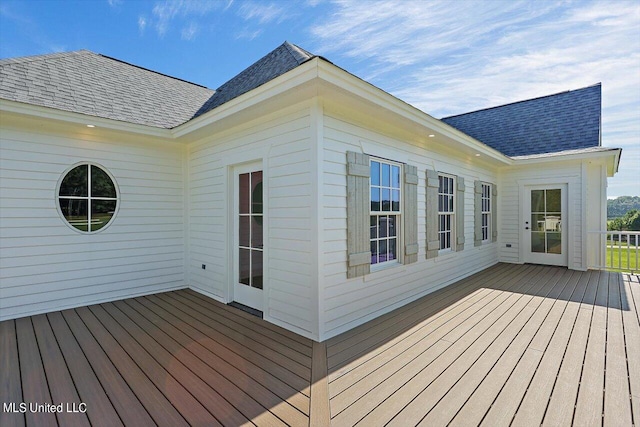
<point x="527" y="255"/>
<point x="244" y="294"/>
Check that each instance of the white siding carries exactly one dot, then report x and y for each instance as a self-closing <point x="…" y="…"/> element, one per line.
<point x="510" y="221"/>
<point x="350" y="302"/>
<point x="282" y="142"/>
<point x="46" y="265"/>
<point x="596" y="212"/>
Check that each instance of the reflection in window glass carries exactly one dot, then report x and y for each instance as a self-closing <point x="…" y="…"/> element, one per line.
<point x="385" y="194"/>
<point x="546" y="221"/>
<point x="87" y="198"/>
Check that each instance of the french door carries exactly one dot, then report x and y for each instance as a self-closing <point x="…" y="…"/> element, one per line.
<point x="545" y="224"/>
<point x="248" y="236"/>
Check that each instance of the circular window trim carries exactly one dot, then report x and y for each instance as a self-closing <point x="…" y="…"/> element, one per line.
<point x="57" y="196"/>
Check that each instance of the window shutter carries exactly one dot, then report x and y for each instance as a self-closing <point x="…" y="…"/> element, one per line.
<point x="433" y="243"/>
<point x="410" y="214"/>
<point x="494" y="213"/>
<point x="358" y="249"/>
<point x="460" y="187"/>
<point x="477" y="214"/>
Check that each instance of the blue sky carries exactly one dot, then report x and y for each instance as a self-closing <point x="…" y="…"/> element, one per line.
<point x="444" y="57"/>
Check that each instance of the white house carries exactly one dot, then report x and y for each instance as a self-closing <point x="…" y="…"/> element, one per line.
<point x="296" y="188"/>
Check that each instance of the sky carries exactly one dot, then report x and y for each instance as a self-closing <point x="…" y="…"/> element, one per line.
<point x="444" y="57"/>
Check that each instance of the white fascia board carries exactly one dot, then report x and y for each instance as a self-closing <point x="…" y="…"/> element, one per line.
<point x="296" y="77"/>
<point x="610" y="155"/>
<point x="41" y="112"/>
<point x="345" y="80"/>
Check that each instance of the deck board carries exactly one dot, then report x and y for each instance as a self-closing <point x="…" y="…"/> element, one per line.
<point x="617" y="402"/>
<point x="511" y="345"/>
<point x="632" y="341"/>
<point x="34" y="380"/>
<point x="10" y="383"/>
<point x="465" y="385"/>
<point x="60" y="382"/>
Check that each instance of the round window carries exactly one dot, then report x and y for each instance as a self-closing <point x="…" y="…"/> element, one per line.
<point x="87" y="197"/>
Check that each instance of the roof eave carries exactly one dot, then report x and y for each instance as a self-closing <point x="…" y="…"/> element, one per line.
<point x="610" y="155"/>
<point x="49" y="113"/>
<point x="296" y="77"/>
<point x="359" y="87"/>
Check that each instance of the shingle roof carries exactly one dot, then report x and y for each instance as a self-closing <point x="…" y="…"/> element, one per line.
<point x="96" y="85"/>
<point x="277" y="62"/>
<point x="93" y="84"/>
<point x="549" y="124"/>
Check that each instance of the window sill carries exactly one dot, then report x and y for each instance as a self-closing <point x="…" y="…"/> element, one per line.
<point x="380" y="270"/>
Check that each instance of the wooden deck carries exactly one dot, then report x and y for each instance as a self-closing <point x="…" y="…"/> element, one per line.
<point x="512" y="345"/>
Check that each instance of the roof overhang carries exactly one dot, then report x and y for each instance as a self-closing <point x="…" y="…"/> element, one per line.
<point x="342" y="92"/>
<point x="611" y="157"/>
<point x="10" y="109"/>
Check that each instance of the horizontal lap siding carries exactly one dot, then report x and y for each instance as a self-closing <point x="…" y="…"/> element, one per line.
<point x="46" y="265"/>
<point x="283" y="144"/>
<point x="350" y="302"/>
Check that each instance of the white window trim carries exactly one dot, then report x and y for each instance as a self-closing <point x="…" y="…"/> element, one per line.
<point x="489" y="213"/>
<point x="88" y="197"/>
<point x="451" y="214"/>
<point x="399" y="214"/>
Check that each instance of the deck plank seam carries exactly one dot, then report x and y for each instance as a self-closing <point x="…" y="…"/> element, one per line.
<point x="564" y="354"/>
<point x="566" y="304"/>
<point x="439" y="314"/>
<point x="515" y="317"/>
<point x="541" y="301"/>
<point x="478" y="306"/>
<point x="527" y="348"/>
<point x="159" y="361"/>
<point x="204" y="380"/>
<point x="302" y="361"/>
<point x="262" y="325"/>
<point x="66" y="363"/>
<point x="231" y="338"/>
<point x="141" y="346"/>
<point x="584" y="358"/>
<point x="194" y="325"/>
<point x="110" y="398"/>
<point x="408" y="311"/>
<point x="624" y="340"/>
<point x="131" y="357"/>
<point x="146" y="302"/>
<point x="251" y="326"/>
<point x="465" y="349"/>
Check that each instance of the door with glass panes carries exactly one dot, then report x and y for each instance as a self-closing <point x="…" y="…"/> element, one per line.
<point x="248" y="236"/>
<point x="545" y="224"/>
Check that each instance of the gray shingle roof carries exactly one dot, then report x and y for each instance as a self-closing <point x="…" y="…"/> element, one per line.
<point x="96" y="85"/>
<point x="549" y="124"/>
<point x="277" y="62"/>
<point x="93" y="84"/>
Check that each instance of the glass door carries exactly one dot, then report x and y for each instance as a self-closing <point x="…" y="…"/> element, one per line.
<point x="249" y="239"/>
<point x="545" y="239"/>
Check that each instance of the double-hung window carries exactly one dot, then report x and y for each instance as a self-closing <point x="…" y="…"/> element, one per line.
<point x="486" y="203"/>
<point x="446" y="211"/>
<point x="385" y="189"/>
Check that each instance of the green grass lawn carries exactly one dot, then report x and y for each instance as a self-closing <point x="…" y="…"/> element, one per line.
<point x="623" y="259"/>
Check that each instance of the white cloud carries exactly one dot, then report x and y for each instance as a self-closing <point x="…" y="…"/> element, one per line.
<point x="455" y="57"/>
<point x="165" y="12"/>
<point x="248" y="34"/>
<point x="189" y="32"/>
<point x="262" y="12"/>
<point x="114" y="3"/>
<point x="142" y="24"/>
